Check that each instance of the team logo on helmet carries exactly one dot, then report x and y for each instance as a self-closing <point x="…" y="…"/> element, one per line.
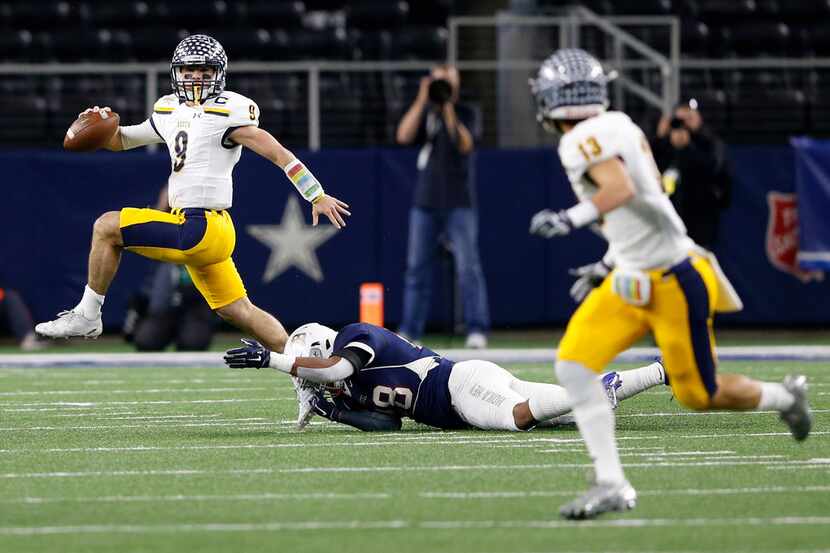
<point x="571" y="84"/>
<point x="198" y="50"/>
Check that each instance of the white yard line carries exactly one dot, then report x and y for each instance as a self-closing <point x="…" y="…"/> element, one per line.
<point x="17" y="407"/>
<point x="401" y="469"/>
<point x="821" y="466"/>
<point x="400" y="524"/>
<point x="690" y="492"/>
<point x="624" y="523"/>
<point x="123" y="426"/>
<point x="160" y="418"/>
<point x="144" y="448"/>
<point x="209" y="527"/>
<point x="209" y="498"/>
<point x="707" y="413"/>
<point x="425" y="495"/>
<point x="134" y="391"/>
<point x="677" y="456"/>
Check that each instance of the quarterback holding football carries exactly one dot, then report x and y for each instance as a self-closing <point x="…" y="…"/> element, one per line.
<point x="204" y="127"/>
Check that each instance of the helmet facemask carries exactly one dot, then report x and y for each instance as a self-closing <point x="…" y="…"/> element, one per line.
<point x="197" y="90"/>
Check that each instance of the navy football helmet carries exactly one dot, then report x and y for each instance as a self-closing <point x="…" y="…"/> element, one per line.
<point x="571" y="84"/>
<point x="198" y="50"/>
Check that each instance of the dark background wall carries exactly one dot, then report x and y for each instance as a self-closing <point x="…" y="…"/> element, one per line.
<point x="53" y="198"/>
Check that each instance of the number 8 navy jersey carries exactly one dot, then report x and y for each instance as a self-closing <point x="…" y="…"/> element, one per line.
<point x="395" y="376"/>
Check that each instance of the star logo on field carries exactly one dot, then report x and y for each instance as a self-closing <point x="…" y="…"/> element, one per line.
<point x="293" y="243"/>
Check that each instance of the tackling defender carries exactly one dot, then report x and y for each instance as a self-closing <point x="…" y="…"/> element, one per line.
<point x="661" y="282"/>
<point x="204" y="127"/>
<point x="377" y="378"/>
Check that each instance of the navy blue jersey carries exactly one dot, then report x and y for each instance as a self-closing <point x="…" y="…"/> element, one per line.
<point x="397" y="377"/>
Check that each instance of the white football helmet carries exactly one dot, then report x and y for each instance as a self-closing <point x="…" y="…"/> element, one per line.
<point x="309" y="340"/>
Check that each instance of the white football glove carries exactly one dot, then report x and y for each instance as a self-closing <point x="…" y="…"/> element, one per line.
<point x="588" y="277"/>
<point x="548" y="223"/>
<point x="306" y="393"/>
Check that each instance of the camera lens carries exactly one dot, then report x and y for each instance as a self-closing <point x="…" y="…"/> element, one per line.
<point x="440" y="91"/>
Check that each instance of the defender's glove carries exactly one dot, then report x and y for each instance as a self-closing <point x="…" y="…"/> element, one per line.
<point x="588" y="277"/>
<point x="548" y="223"/>
<point x="323" y="407"/>
<point x="253" y="354"/>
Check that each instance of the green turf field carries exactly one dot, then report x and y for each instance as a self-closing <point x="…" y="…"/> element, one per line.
<point x="520" y="338"/>
<point x="206" y="460"/>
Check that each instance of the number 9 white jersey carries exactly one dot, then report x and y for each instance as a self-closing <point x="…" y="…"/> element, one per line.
<point x="646" y="232"/>
<point x="202" y="157"/>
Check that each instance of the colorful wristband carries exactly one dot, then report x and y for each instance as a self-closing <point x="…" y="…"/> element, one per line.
<point x="306" y="184"/>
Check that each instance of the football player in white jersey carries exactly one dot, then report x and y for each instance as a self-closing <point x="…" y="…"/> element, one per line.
<point x="661" y="282"/>
<point x="204" y="127"/>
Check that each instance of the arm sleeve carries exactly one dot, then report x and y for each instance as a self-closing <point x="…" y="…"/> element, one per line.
<point x="133" y="136"/>
<point x="359" y="358"/>
<point x="368" y="421"/>
<point x="339" y="371"/>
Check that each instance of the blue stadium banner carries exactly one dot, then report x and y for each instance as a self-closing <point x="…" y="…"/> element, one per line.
<point x="303" y="273"/>
<point x="812" y="173"/>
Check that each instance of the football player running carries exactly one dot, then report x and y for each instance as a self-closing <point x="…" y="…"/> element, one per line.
<point x="377" y="377"/>
<point x="661" y="282"/>
<point x="204" y="127"/>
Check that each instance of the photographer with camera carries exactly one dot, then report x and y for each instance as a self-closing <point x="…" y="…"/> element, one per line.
<point x="695" y="171"/>
<point x="444" y="203"/>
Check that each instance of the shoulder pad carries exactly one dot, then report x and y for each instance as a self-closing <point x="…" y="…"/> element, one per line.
<point x="239" y="110"/>
<point x="596" y="139"/>
<point x="166" y="104"/>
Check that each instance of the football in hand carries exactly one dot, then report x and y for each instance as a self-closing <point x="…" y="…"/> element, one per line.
<point x="91" y="131"/>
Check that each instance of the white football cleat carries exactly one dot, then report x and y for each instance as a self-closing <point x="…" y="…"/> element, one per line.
<point x="306" y="392"/>
<point x="599" y="499"/>
<point x="70" y="324"/>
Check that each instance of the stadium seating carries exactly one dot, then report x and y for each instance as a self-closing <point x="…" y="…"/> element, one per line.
<point x="261" y="30"/>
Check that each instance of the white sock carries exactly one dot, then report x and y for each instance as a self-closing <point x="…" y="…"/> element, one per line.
<point x="594" y="417"/>
<point x="90" y="305"/>
<point x="774" y="397"/>
<point x="639" y="380"/>
<point x="545" y="400"/>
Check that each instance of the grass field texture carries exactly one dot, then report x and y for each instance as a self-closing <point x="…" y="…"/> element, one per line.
<point x="207" y="460"/>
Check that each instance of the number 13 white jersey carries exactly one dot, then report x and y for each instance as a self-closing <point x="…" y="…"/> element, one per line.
<point x="201" y="155"/>
<point x="646" y="232"/>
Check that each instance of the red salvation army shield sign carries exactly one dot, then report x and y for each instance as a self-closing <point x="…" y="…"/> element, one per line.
<point x="782" y="236"/>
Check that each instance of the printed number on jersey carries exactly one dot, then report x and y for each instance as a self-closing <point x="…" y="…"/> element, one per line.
<point x="590" y="149"/>
<point x="392" y="398"/>
<point x="181" y="151"/>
